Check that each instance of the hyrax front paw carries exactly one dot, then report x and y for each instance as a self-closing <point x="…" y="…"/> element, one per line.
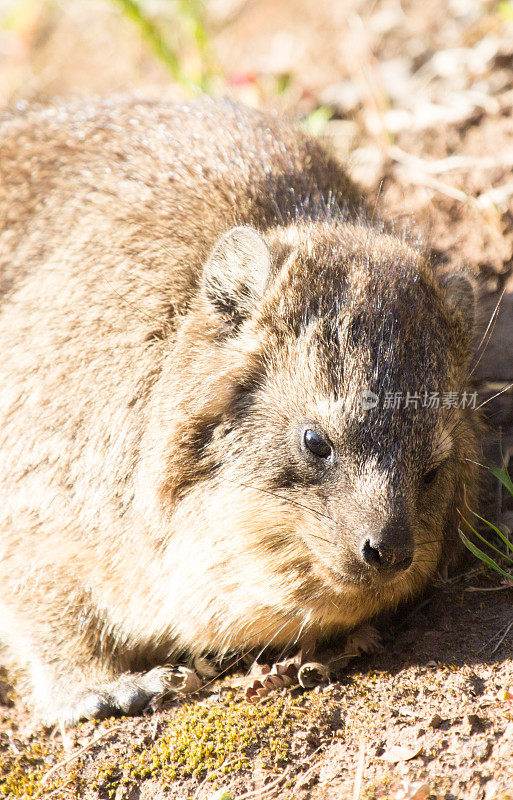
<point x="128" y="694"/>
<point x="365" y="639"/>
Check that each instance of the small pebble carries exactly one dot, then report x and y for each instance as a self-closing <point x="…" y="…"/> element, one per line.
<point x="435" y="721"/>
<point x="476" y="723"/>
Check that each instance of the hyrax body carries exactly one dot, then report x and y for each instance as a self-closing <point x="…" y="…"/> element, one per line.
<point x="190" y="315"/>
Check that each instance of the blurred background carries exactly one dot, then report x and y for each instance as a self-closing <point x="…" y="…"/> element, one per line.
<point x="415" y="95"/>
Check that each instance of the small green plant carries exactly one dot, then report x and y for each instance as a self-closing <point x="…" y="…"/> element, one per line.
<point x="502" y="474"/>
<point x="316" y="121"/>
<point x="505" y="10"/>
<point x="188" y="17"/>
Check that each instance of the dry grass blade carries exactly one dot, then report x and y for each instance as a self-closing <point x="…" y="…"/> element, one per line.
<point x="266" y="790"/>
<point x="441" y="166"/>
<point x="56" y="791"/>
<point x="502" y="636"/>
<point x="209" y="777"/>
<point x="305" y="776"/>
<point x="488" y="588"/>
<point x="79" y="753"/>
<point x="358" y="778"/>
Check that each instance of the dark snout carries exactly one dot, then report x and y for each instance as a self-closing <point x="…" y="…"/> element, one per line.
<point x="388" y="549"/>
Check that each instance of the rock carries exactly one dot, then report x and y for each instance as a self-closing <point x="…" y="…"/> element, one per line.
<point x="397" y="753"/>
<point x="477" y="724"/>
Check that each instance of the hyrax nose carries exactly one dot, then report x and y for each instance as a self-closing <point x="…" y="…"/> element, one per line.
<point x="389" y="549"/>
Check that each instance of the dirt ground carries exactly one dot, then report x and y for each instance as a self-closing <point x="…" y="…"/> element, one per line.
<point x="419" y="96"/>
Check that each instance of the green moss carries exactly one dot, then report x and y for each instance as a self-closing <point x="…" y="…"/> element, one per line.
<point x="380" y="790"/>
<point x="197" y="741"/>
<point x="108" y="778"/>
<point x="20" y="773"/>
<point x="220" y="739"/>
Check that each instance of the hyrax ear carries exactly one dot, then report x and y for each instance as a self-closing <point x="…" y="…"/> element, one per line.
<point x="236" y="273"/>
<point x="460" y="297"/>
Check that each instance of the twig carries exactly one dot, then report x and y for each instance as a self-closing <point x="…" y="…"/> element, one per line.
<point x="80" y="752"/>
<point x="209" y="775"/>
<point x="430" y="182"/>
<point x="471" y="573"/>
<point x="418" y="171"/>
<point x="441" y="166"/>
<point x="507" y="630"/>
<point x="357" y="788"/>
<point x="488" y="588"/>
<point x="266" y="789"/>
<point x="301" y="779"/>
<point x="498" y="196"/>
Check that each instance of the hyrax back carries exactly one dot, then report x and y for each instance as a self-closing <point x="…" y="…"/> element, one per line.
<point x="190" y="316"/>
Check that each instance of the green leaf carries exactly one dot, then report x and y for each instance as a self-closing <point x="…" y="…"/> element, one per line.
<point x="500" y="534"/>
<point x="134" y="11"/>
<point x="483" y="557"/>
<point x="283" y="81"/>
<point x="315" y="122"/>
<point x="489" y="544"/>
<point x="505" y="10"/>
<point x="503" y="475"/>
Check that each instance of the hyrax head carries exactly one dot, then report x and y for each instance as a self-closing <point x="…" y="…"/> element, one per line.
<point x="327" y="406"/>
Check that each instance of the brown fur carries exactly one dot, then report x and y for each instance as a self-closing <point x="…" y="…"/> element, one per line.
<point x="154" y="371"/>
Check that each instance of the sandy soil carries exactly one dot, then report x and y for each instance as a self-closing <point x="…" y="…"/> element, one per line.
<point x="421" y="102"/>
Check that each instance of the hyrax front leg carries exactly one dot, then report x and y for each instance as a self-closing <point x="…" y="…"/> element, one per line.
<point x="77" y="660"/>
<point x="129" y="693"/>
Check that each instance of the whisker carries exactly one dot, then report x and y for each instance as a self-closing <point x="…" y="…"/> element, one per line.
<point x="293" y="641"/>
<point x="493" y="319"/>
<point x="232" y="664"/>
<point x="497" y="394"/>
<point x="290" y="500"/>
<point x="267" y="644"/>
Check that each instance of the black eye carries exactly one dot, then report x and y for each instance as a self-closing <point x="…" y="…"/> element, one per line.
<point x="430" y="476"/>
<point x="317" y="444"/>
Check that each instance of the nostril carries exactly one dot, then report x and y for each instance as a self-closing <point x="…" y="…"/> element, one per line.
<point x="384" y="557"/>
<point x="370" y="554"/>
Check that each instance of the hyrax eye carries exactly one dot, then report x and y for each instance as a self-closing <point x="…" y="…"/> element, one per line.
<point x="430" y="475"/>
<point x="317" y="443"/>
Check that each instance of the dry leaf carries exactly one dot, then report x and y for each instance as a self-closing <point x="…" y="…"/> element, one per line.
<point x="398" y="753"/>
<point x="411" y="791"/>
<point x="279" y="676"/>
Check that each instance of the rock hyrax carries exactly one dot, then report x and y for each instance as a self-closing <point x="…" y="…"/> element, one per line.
<point x="192" y="311"/>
